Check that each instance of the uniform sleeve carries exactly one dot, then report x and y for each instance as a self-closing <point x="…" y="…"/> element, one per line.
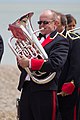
<point x="36" y="64"/>
<point x="74" y="70"/>
<point x="68" y="87"/>
<point x="56" y="58"/>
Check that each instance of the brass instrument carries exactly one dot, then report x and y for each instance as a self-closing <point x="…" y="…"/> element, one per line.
<point x="24" y="41"/>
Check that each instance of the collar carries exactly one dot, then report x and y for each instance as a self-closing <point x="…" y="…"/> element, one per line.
<point x="50" y="38"/>
<point x="53" y="34"/>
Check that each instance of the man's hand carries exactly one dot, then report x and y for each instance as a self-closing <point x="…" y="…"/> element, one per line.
<point x="62" y="93"/>
<point x="23" y="61"/>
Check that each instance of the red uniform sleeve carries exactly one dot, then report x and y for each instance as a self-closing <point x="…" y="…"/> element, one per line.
<point x="68" y="87"/>
<point x="36" y="64"/>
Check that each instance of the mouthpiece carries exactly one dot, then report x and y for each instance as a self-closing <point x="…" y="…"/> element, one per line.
<point x="38" y="30"/>
<point x="41" y="28"/>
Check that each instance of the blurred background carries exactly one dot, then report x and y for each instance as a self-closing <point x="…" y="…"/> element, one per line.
<point x="10" y="10"/>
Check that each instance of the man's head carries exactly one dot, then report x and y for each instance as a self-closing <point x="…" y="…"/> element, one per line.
<point x="48" y="20"/>
<point x="62" y="22"/>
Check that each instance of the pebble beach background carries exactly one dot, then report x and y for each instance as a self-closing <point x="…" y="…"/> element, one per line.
<point x="9" y="76"/>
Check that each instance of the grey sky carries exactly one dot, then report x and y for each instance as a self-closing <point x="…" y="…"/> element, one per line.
<point x="57" y="1"/>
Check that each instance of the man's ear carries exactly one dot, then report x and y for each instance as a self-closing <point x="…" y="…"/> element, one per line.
<point x="56" y="23"/>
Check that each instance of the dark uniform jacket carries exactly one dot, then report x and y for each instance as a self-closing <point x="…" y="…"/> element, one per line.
<point x="56" y="47"/>
<point x="71" y="71"/>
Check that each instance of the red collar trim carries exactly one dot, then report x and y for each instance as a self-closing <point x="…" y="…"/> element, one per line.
<point x="46" y="41"/>
<point x="49" y="39"/>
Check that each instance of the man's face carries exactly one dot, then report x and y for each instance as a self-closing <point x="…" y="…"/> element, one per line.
<point x="47" y="23"/>
<point x="60" y="28"/>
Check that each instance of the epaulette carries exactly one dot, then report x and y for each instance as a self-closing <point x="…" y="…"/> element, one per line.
<point x="73" y="35"/>
<point x="62" y="35"/>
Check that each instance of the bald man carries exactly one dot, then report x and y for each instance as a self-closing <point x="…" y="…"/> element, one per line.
<point x="39" y="101"/>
